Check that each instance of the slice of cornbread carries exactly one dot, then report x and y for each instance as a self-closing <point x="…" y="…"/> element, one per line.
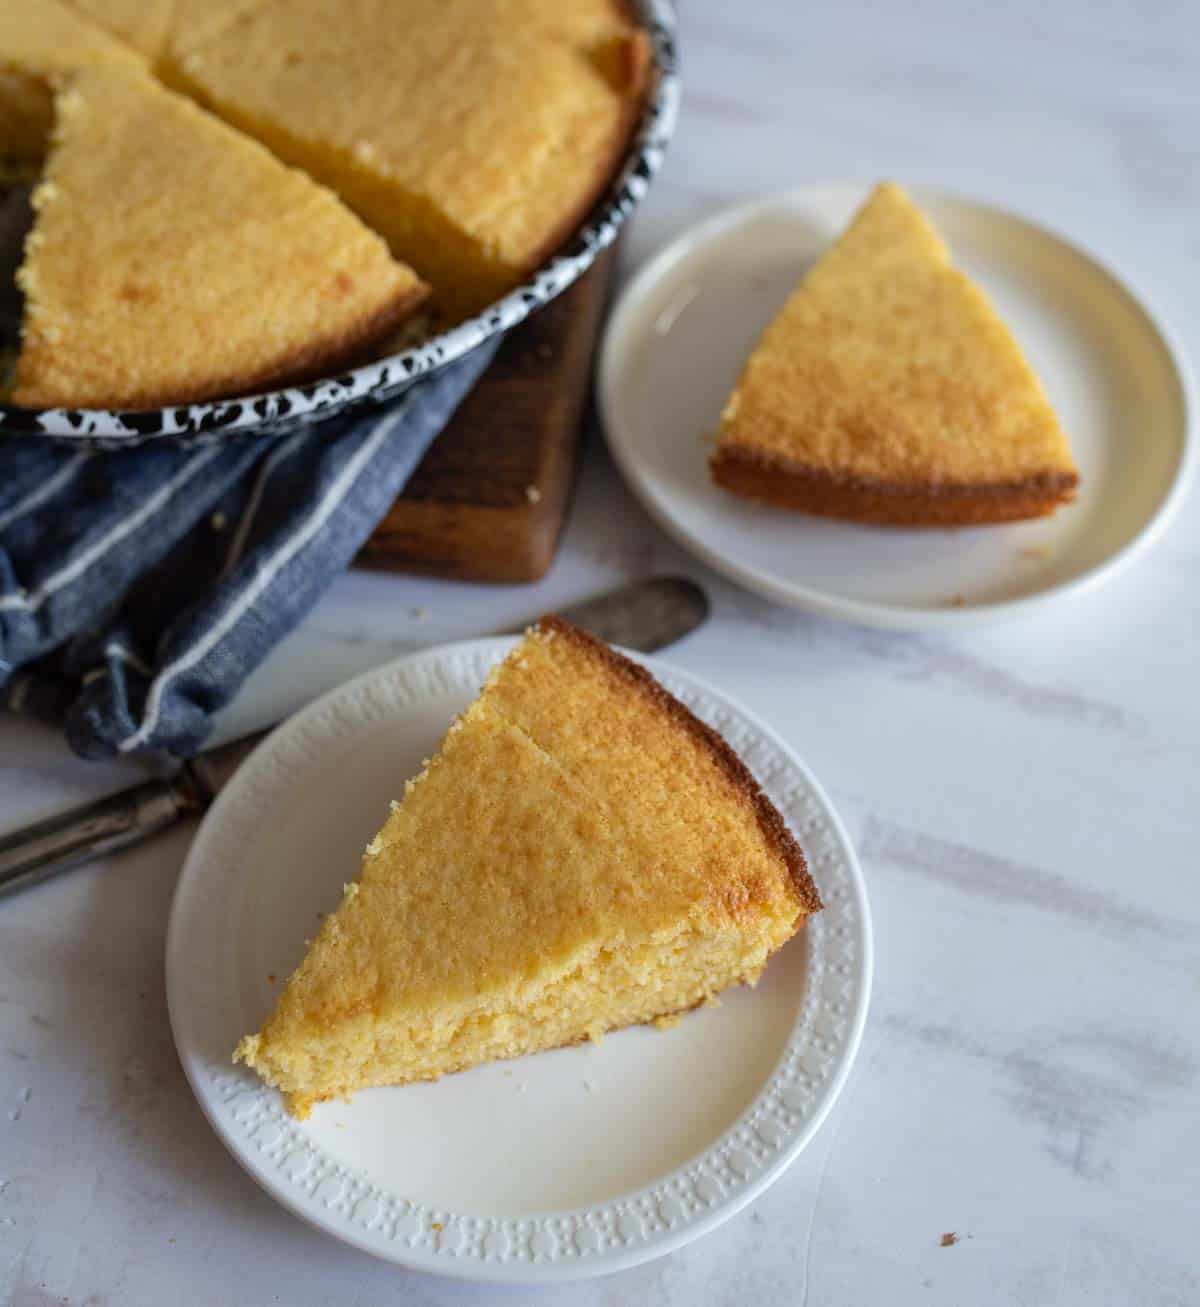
<point x="143" y="24"/>
<point x="173" y="259"/>
<point x="40" y="42"/>
<point x="888" y="390"/>
<point x="581" y="855"/>
<point x="473" y="136"/>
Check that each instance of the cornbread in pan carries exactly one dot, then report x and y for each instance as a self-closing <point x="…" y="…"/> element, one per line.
<point x="472" y="136"/>
<point x="40" y="41"/>
<point x="173" y="259"/>
<point x="581" y="855"/>
<point x="888" y="390"/>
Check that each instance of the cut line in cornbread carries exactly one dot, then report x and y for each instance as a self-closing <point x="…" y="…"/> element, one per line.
<point x="888" y="390"/>
<point x="173" y="259"/>
<point x="143" y="24"/>
<point x="160" y="29"/>
<point x="582" y="854"/>
<point x="474" y="137"/>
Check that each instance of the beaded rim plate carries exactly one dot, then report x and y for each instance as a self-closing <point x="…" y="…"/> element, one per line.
<point x="289" y="407"/>
<point x="666" y="1133"/>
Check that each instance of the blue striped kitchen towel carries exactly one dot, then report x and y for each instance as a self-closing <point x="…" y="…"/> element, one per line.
<point x="158" y="578"/>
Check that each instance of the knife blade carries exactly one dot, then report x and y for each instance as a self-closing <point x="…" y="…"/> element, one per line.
<point x="644" y="616"/>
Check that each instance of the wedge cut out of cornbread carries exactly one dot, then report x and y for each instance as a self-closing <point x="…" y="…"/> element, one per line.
<point x="41" y="41"/>
<point x="582" y="854"/>
<point x="172" y="259"/>
<point x="472" y="136"/>
<point x="888" y="390"/>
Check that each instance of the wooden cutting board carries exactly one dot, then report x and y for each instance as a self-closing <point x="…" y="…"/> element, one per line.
<point x="490" y="498"/>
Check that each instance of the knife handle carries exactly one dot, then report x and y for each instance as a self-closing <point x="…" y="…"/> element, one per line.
<point x="64" y="841"/>
<point x="645" y="615"/>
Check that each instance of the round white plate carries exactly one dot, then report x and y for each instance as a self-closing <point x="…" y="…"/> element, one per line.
<point x="566" y="1164"/>
<point x="682" y="329"/>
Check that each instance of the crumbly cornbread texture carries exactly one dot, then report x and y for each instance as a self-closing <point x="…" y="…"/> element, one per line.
<point x="172" y="258"/>
<point x="888" y="390"/>
<point x="473" y="136"/>
<point x="581" y="855"/>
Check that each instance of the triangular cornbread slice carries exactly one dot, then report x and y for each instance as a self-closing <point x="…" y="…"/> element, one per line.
<point x="40" y="42"/>
<point x="173" y="259"/>
<point x="888" y="390"/>
<point x="473" y="136"/>
<point x="581" y="855"/>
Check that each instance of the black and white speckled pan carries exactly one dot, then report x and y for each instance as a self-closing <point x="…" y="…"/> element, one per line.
<point x="295" y="406"/>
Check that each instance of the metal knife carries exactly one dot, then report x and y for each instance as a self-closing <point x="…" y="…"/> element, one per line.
<point x="644" y="616"/>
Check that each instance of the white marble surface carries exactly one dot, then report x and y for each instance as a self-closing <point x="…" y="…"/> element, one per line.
<point x="1025" y="799"/>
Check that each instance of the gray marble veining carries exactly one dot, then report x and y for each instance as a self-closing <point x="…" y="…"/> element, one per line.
<point x="1024" y="798"/>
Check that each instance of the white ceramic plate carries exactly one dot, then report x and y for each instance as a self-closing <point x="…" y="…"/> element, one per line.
<point x="682" y="329"/>
<point x="562" y="1165"/>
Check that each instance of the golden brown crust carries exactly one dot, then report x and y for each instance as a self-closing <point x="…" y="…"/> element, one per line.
<point x="772" y="825"/>
<point x="771" y="479"/>
<point x="637" y="58"/>
<point x="308" y="363"/>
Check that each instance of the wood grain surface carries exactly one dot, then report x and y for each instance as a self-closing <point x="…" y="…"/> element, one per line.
<point x="489" y="500"/>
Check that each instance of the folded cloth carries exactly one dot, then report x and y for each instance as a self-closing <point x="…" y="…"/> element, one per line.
<point x="158" y="578"/>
